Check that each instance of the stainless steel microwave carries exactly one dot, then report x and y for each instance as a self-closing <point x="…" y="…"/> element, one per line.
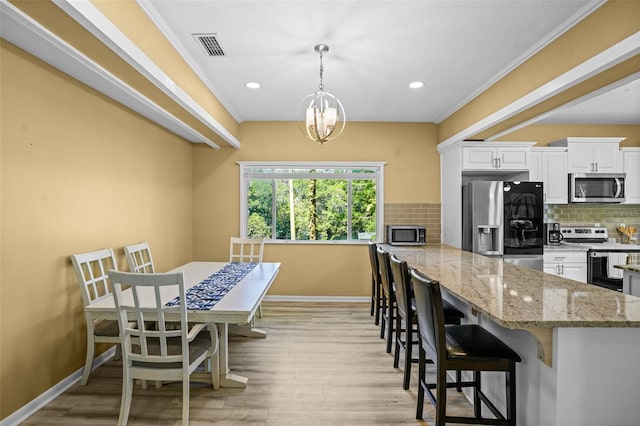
<point x="596" y="187"/>
<point x="406" y="235"/>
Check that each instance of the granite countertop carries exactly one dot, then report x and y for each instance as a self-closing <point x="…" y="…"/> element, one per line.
<point x="518" y="297"/>
<point x="632" y="268"/>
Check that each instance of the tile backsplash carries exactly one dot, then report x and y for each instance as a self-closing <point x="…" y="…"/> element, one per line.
<point x="608" y="215"/>
<point x="425" y="214"/>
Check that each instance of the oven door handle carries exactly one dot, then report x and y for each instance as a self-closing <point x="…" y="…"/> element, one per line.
<point x="598" y="254"/>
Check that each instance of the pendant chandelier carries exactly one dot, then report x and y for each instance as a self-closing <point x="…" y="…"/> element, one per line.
<point x="321" y="113"/>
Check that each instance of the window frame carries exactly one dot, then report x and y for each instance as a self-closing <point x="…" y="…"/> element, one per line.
<point x="378" y="176"/>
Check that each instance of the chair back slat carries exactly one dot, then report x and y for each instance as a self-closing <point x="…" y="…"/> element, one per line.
<point x="139" y="258"/>
<point x="385" y="273"/>
<point x="148" y="315"/>
<point x="246" y="249"/>
<point x="430" y="312"/>
<point x="91" y="271"/>
<point x="402" y="280"/>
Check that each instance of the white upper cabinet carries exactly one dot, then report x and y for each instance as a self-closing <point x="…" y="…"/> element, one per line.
<point x="592" y="155"/>
<point x="549" y="165"/>
<point x="631" y="166"/>
<point x="496" y="155"/>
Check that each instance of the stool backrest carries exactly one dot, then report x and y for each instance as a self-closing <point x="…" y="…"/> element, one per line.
<point x="373" y="259"/>
<point x="402" y="280"/>
<point x="430" y="313"/>
<point x="385" y="273"/>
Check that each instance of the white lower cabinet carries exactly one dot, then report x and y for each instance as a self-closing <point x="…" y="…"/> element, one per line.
<point x="566" y="264"/>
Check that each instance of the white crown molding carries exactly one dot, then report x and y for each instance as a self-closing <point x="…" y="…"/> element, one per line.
<point x="577" y="101"/>
<point x="606" y="59"/>
<point x="585" y="11"/>
<point x="87" y="15"/>
<point x="147" y="6"/>
<point x="29" y="35"/>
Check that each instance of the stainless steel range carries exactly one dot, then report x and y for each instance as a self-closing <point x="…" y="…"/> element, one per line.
<point x="601" y="256"/>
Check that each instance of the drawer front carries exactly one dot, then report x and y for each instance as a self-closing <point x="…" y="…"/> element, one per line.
<point x="565" y="256"/>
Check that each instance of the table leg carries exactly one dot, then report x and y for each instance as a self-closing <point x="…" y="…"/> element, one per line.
<point x="247" y="330"/>
<point x="227" y="379"/>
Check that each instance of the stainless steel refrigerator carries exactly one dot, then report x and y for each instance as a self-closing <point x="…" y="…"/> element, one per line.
<point x="504" y="220"/>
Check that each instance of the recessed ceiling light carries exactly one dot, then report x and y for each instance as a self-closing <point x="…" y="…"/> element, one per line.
<point x="253" y="85"/>
<point x="416" y="84"/>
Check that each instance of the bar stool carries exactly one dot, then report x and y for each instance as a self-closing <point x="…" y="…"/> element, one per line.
<point x="459" y="347"/>
<point x="406" y="311"/>
<point x="376" y="283"/>
<point x="387" y="315"/>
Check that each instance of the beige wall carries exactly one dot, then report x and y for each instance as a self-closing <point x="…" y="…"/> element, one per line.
<point x="411" y="176"/>
<point x="78" y="173"/>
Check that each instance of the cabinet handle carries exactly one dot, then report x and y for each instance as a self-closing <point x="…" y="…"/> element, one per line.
<point x="596" y="167"/>
<point x="562" y="273"/>
<point x="499" y="163"/>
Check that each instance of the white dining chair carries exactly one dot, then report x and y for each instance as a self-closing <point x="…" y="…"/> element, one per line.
<point x="139" y="258"/>
<point x="246" y="250"/>
<point x="168" y="351"/>
<point x="92" y="273"/>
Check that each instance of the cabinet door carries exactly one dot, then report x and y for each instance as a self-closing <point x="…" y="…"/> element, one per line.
<point x="512" y="158"/>
<point x="555" y="177"/>
<point x="478" y="158"/>
<point x="535" y="167"/>
<point x="581" y="157"/>
<point x="550" y="268"/>
<point x="575" y="271"/>
<point x="631" y="167"/>
<point x="605" y="157"/>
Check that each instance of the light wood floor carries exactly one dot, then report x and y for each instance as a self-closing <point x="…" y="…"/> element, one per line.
<point x="321" y="364"/>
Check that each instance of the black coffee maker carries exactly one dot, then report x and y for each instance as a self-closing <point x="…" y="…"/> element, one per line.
<point x="554" y="236"/>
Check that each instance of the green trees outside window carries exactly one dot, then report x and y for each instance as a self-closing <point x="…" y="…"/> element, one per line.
<point x="313" y="203"/>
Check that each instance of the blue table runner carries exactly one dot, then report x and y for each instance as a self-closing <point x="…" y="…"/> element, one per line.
<point x="205" y="295"/>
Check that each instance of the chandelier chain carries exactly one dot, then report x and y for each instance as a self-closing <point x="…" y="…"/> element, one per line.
<point x="321" y="85"/>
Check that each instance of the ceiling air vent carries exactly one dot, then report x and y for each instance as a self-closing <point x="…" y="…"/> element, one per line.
<point x="209" y="44"/>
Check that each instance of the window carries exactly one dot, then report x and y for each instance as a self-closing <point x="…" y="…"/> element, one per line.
<point x="337" y="202"/>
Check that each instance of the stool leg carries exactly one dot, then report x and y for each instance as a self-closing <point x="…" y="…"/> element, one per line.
<point x="511" y="394"/>
<point x="477" y="408"/>
<point x="459" y="380"/>
<point x="408" y="353"/>
<point x="391" y="316"/>
<point x="398" y="341"/>
<point x="422" y="381"/>
<point x="383" y="316"/>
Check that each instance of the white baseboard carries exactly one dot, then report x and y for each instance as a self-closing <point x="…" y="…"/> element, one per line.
<point x="43" y="399"/>
<point x="344" y="299"/>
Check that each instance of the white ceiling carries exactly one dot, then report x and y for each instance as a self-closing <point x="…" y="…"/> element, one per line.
<point x="457" y="48"/>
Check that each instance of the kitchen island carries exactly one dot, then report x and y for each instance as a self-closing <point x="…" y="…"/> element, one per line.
<point x="631" y="279"/>
<point x="580" y="344"/>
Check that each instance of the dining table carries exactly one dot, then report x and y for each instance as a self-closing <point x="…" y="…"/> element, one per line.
<point x="234" y="301"/>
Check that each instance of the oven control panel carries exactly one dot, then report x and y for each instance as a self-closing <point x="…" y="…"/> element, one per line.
<point x="584" y="233"/>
